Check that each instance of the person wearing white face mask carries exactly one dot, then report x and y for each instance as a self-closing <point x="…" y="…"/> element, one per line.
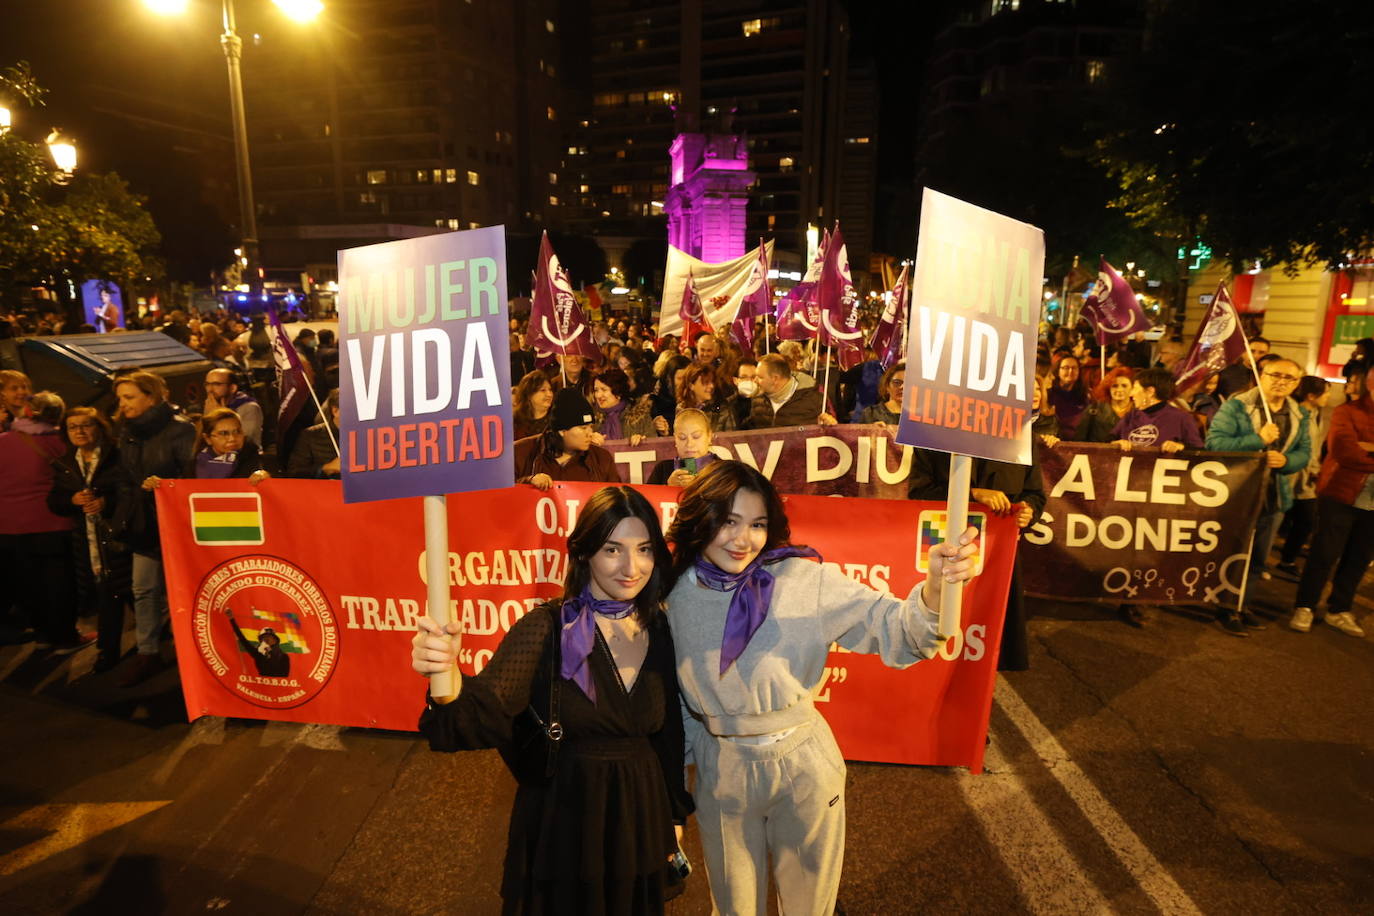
<point x="746" y="388"/>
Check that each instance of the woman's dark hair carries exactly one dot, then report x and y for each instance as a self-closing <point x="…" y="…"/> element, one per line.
<point x="1161" y="380"/>
<point x="1078" y="385"/>
<point x="607" y="508"/>
<point x="525" y="389"/>
<point x="1310" y="386"/>
<point x="616" y="380"/>
<point x="704" y="507"/>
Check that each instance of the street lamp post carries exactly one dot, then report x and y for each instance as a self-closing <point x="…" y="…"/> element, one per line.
<point x="299" y="10"/>
<point x="248" y="218"/>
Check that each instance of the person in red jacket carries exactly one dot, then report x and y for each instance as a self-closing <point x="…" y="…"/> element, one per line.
<point x="1344" y="539"/>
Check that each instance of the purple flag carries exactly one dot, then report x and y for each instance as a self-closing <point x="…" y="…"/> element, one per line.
<point x="1220" y="342"/>
<point x="889" y="337"/>
<point x="757" y="302"/>
<point x="839" y="304"/>
<point x="798" y="310"/>
<point x="1112" y="307"/>
<point x="293" y="385"/>
<point x="557" y="324"/>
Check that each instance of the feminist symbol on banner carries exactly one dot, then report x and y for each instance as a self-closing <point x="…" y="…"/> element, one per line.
<point x="1130" y="590"/>
<point x="1213" y="595"/>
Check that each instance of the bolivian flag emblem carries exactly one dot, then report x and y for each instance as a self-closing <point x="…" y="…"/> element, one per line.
<point x="226" y="519"/>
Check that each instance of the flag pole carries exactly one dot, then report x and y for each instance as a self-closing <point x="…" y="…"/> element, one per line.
<point x="442" y="686"/>
<point x="825" y="388"/>
<point x="1249" y="357"/>
<point x="956" y="520"/>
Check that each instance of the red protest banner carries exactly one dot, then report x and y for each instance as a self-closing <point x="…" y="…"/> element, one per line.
<point x="340" y="587"/>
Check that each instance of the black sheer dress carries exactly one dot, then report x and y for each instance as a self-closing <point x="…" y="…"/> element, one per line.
<point x="597" y="837"/>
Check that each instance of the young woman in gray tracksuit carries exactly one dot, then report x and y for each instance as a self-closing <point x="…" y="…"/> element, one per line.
<point x="753" y="618"/>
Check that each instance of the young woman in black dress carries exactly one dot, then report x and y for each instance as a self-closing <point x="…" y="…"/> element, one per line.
<point x="598" y="836"/>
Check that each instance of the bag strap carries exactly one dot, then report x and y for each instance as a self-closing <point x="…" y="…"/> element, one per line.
<point x="554" y="729"/>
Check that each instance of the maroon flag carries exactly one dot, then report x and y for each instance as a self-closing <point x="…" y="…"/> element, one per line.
<point x="1220" y="342"/>
<point x="1112" y="307"/>
<point x="889" y="337"/>
<point x="694" y="321"/>
<point x="557" y="324"/>
<point x="757" y="302"/>
<point x="293" y="385"/>
<point x="839" y="304"/>
<point x="798" y="310"/>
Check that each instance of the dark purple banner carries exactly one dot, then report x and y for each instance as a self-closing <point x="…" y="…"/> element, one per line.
<point x="849" y="460"/>
<point x="1143" y="527"/>
<point x="424" y="378"/>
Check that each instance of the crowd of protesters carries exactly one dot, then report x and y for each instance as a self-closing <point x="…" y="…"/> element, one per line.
<point x="78" y="516"/>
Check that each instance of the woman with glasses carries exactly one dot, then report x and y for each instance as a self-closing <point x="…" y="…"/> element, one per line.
<point x="1265" y="419"/>
<point x="227" y="452"/>
<point x="84" y="489"/>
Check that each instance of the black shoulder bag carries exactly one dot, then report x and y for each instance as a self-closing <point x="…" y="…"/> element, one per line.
<point x="532" y="755"/>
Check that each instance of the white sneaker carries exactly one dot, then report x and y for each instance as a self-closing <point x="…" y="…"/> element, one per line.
<point x="1301" y="620"/>
<point x="1345" y="623"/>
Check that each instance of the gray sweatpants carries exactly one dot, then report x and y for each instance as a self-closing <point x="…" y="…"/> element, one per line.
<point x="785" y="800"/>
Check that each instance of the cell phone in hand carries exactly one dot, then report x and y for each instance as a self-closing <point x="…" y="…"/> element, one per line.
<point x="681" y="864"/>
<point x="689" y="465"/>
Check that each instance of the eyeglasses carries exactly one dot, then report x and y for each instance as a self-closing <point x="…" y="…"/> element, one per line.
<point x="1283" y="377"/>
<point x="226" y="434"/>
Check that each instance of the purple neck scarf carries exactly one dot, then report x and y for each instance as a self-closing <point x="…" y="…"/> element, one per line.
<point x="753" y="595"/>
<point x="579" y="635"/>
<point x="612" y="426"/>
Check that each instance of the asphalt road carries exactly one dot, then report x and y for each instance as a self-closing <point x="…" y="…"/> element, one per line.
<point x="1168" y="769"/>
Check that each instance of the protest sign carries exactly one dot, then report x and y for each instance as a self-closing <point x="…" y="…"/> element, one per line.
<point x="970" y="358"/>
<point x="424" y="378"/>
<point x="344" y="618"/>
<point x="1143" y="527"/>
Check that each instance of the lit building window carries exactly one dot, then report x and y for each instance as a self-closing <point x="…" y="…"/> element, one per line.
<point x="376" y="176"/>
<point x="772" y="221"/>
<point x="451" y="176"/>
<point x="553" y="115"/>
<point x="572" y="151"/>
<point x="553" y="201"/>
<point x="498" y="136"/>
<point x="553" y="178"/>
<point x="422" y="176"/>
<point x="438" y="176"/>
<point x="584" y="188"/>
<point x="453" y="224"/>
<point x="438" y="224"/>
<point x="752" y="27"/>
<point x="548" y="24"/>
<point x="620" y="154"/>
<point x="855" y="139"/>
<point x="1096" y="70"/>
<point x="785" y="164"/>
<point x="367" y="197"/>
<point x="473" y="178"/>
<point x="620" y="189"/>
<point x="473" y="224"/>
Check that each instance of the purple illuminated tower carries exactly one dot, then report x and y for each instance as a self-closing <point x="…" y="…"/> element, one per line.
<point x="708" y="195"/>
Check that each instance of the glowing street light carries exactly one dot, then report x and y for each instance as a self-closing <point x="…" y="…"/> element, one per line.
<point x="63" y="150"/>
<point x="297" y="10"/>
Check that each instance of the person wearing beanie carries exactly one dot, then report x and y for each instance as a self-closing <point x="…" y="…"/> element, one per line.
<point x="564" y="451"/>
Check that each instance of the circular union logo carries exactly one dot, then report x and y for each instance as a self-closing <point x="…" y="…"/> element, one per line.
<point x="1144" y="435"/>
<point x="266" y="631"/>
<point x="1222" y="326"/>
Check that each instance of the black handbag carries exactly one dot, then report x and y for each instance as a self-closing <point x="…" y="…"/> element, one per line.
<point x="532" y="755"/>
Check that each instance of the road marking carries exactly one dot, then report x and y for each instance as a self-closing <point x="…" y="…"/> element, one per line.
<point x="1049" y="876"/>
<point x="1152" y="877"/>
<point x="205" y="730"/>
<point x="23" y="655"/>
<point x="69" y="826"/>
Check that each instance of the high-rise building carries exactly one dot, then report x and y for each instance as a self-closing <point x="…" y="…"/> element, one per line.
<point x="775" y="72"/>
<point x="395" y="117"/>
